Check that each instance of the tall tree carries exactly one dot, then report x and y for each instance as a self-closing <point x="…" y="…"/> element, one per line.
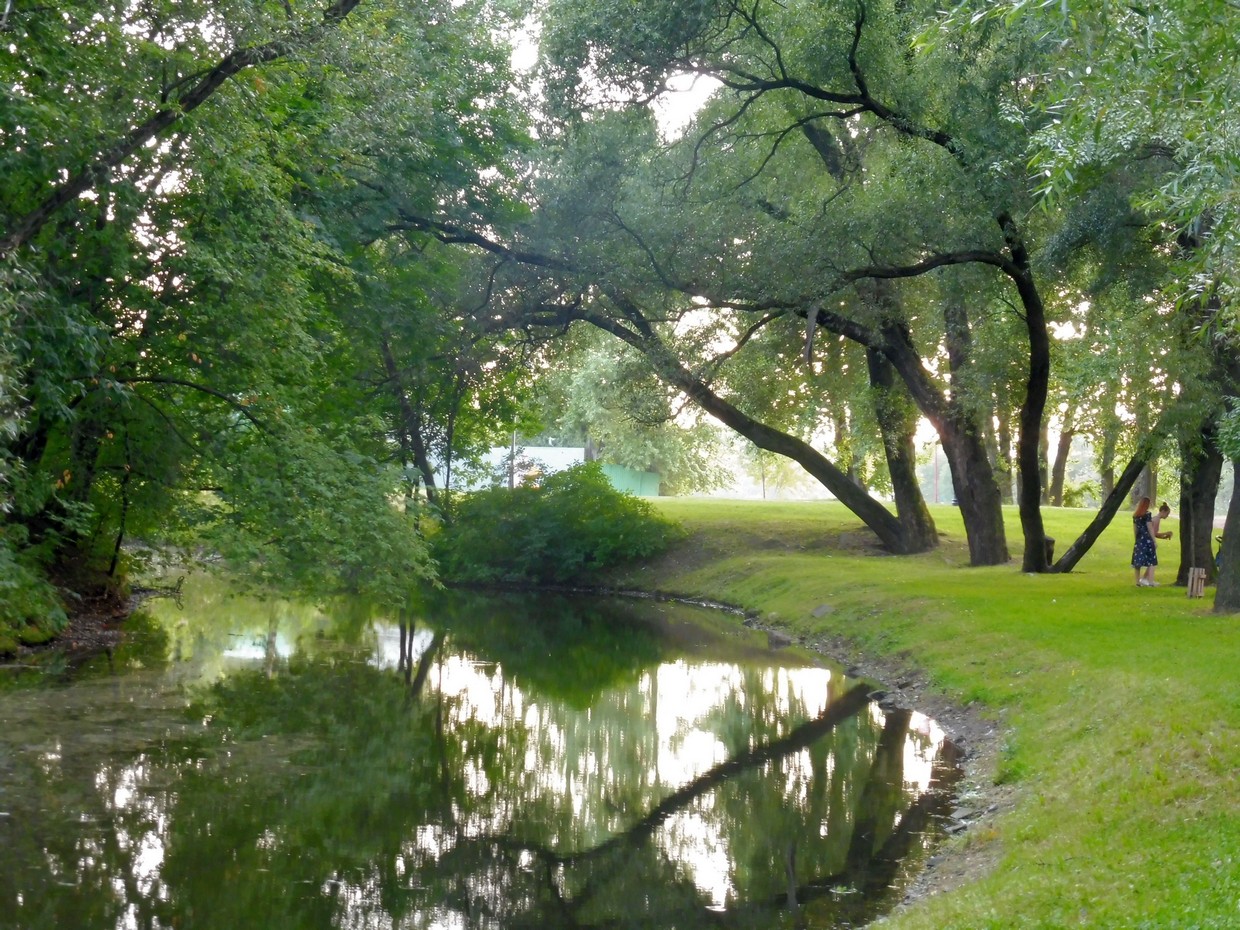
<point x="863" y="67"/>
<point x="186" y="186"/>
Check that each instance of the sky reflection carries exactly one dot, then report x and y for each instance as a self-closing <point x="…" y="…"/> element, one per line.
<point x="126" y="804"/>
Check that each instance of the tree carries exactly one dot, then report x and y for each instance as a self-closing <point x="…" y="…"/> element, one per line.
<point x="69" y="54"/>
<point x="954" y="140"/>
<point x="440" y="383"/>
<point x="1152" y="85"/>
<point x="611" y="403"/>
<point x="186" y="188"/>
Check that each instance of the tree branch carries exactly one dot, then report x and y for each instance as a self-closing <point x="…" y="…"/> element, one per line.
<point x="159" y="121"/>
<point x="452" y="234"/>
<point x="241" y="408"/>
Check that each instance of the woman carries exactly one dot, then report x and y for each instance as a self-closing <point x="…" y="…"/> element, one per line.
<point x="1164" y="511"/>
<point x="1144" y="554"/>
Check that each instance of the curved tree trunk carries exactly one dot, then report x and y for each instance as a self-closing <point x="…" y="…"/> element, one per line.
<point x="972" y="477"/>
<point x="1111" y="503"/>
<point x="871" y="512"/>
<point x="1033" y="407"/>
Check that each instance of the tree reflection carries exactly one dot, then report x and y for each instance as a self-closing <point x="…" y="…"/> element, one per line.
<point x="457" y="787"/>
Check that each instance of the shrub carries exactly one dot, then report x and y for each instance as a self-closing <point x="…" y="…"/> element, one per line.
<point x="571" y="527"/>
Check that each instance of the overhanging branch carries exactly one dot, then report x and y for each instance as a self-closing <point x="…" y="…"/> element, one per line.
<point x="162" y="119"/>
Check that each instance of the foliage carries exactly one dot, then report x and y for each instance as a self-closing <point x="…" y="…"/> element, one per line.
<point x="839" y="155"/>
<point x="611" y="401"/>
<point x="177" y="344"/>
<point x="301" y="514"/>
<point x="568" y="529"/>
<point x="1154" y="82"/>
<point x="30" y="607"/>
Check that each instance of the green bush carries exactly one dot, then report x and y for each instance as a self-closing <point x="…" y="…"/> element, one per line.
<point x="571" y="527"/>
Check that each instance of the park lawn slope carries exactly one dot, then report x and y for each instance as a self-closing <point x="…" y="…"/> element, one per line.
<point x="1115" y="706"/>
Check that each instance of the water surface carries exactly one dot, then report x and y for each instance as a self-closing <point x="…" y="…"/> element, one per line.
<point x="488" y="763"/>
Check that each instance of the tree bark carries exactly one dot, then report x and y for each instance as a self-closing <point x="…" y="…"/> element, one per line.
<point x="897" y="420"/>
<point x="1146" y="484"/>
<point x="976" y="493"/>
<point x="1199" y="480"/>
<point x="972" y="478"/>
<point x="1227" y="594"/>
<point x="1033" y="407"/>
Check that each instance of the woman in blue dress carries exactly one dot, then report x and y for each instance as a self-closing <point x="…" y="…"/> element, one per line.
<point x="1144" y="554"/>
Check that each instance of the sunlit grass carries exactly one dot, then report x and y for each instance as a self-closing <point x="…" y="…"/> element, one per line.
<point x="1118" y="706"/>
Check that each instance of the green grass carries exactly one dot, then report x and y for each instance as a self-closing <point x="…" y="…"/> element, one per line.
<point x="1118" y="706"/>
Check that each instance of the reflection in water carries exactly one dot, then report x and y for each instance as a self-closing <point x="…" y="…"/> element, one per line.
<point x="487" y="764"/>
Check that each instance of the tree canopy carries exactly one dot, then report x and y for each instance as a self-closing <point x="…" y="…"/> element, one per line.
<point x="267" y="270"/>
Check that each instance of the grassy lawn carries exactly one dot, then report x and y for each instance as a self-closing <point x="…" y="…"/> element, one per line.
<point x="1117" y="707"/>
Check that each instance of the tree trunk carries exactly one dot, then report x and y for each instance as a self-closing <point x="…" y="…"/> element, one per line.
<point x="1003" y="463"/>
<point x="1033" y="406"/>
<point x="1110" y="506"/>
<point x="1106" y="462"/>
<point x="1227" y="595"/>
<point x="1060" y="466"/>
<point x="976" y="494"/>
<point x="1111" y="503"/>
<point x="897" y="419"/>
<point x="410" y="431"/>
<point x="844" y="452"/>
<point x="972" y="478"/>
<point x="1199" y="480"/>
<point x="1146" y="484"/>
<point x="871" y="512"/>
<point x="1044" y="472"/>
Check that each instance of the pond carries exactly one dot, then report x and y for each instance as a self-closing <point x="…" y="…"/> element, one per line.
<point x="477" y="763"/>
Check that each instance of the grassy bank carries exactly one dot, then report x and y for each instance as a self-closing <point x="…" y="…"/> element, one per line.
<point x="1117" y="707"/>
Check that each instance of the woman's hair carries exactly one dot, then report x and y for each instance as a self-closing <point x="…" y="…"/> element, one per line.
<point x="1143" y="507"/>
<point x="1164" y="506"/>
